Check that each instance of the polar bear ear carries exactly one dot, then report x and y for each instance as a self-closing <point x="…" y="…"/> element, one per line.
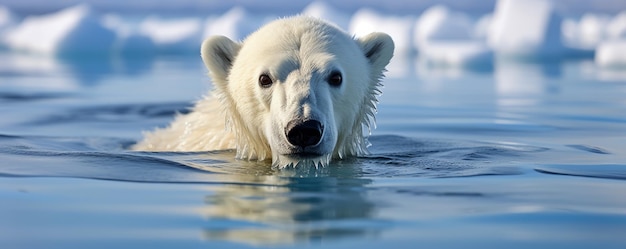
<point x="218" y="54"/>
<point x="378" y="48"/>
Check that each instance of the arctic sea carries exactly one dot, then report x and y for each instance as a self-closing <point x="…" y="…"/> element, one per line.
<point x="523" y="154"/>
<point x="471" y="150"/>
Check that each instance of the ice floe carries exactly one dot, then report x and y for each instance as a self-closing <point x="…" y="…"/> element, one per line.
<point x="457" y="53"/>
<point x="617" y="27"/>
<point x="173" y="36"/>
<point x="482" y="27"/>
<point x="7" y="19"/>
<point x="75" y="31"/>
<point x="526" y="29"/>
<point x="446" y="38"/>
<point x="129" y="42"/>
<point x="592" y="29"/>
<point x="441" y="35"/>
<point x="236" y="24"/>
<point x="326" y="12"/>
<point x="400" y="28"/>
<point x="439" y="24"/>
<point x="611" y="54"/>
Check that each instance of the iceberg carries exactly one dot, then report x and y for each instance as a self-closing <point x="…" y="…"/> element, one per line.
<point x="592" y="29"/>
<point x="617" y="27"/>
<point x="467" y="54"/>
<point x="526" y="29"/>
<point x="438" y="23"/>
<point x="611" y="54"/>
<point x="482" y="27"/>
<point x="441" y="34"/>
<point x="400" y="28"/>
<point x="235" y="24"/>
<point x="7" y="19"/>
<point x="446" y="38"/>
<point x="571" y="32"/>
<point x="326" y="12"/>
<point x="129" y="42"/>
<point x="75" y="31"/>
<point x="169" y="36"/>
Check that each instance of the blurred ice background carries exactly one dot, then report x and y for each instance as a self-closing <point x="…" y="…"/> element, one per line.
<point x="443" y="33"/>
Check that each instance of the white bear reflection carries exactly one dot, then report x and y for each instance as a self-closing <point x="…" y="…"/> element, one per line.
<point x="278" y="211"/>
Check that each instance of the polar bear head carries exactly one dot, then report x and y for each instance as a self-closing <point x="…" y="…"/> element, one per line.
<point x="298" y="90"/>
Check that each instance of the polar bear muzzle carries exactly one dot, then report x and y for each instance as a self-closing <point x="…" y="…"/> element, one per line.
<point x="304" y="134"/>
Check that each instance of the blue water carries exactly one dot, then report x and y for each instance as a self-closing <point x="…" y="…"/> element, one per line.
<point x="517" y="155"/>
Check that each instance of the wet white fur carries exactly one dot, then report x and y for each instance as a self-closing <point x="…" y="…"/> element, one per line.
<point x="298" y="53"/>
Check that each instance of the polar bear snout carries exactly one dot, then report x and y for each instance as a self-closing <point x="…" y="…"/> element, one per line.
<point x="304" y="133"/>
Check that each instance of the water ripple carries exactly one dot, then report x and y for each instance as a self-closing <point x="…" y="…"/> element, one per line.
<point x="606" y="171"/>
<point x="106" y="158"/>
<point x="114" y="113"/>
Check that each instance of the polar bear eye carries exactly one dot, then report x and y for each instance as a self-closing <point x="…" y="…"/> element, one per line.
<point x="265" y="81"/>
<point x="335" y="79"/>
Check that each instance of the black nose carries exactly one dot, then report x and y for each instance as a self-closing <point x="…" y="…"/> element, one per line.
<point x="305" y="133"/>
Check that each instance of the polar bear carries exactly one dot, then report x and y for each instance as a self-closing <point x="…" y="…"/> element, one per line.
<point x="297" y="91"/>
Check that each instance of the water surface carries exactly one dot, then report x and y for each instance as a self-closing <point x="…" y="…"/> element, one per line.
<point x="516" y="155"/>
